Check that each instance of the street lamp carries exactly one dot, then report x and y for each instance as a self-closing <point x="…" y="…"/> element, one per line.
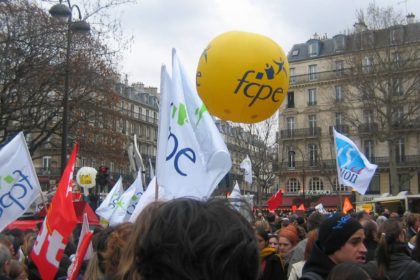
<point x="64" y="13"/>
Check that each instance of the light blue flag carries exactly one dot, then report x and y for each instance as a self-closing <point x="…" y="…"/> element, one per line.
<point x="354" y="169"/>
<point x="192" y="157"/>
<point x="19" y="185"/>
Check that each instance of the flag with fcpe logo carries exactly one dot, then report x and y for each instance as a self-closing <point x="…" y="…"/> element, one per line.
<point x="19" y="185"/>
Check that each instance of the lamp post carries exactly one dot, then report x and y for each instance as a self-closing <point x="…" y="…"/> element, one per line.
<point x="64" y="13"/>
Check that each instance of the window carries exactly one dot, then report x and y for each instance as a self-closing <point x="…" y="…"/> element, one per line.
<point x="368" y="117"/>
<point x="295" y="52"/>
<point x="290" y="126"/>
<point x="339" y="188"/>
<point x="290" y="99"/>
<point x="291" y="160"/>
<point x="293" y="185"/>
<point x="397" y="115"/>
<point x="339" y="68"/>
<point x="313" y="72"/>
<point x="311" y="96"/>
<point x="397" y="88"/>
<point x="313" y="154"/>
<point x="292" y="76"/>
<point x="396" y="35"/>
<point x="400" y="150"/>
<point x="312" y="125"/>
<point x="339" y="43"/>
<point x="313" y="48"/>
<point x="367" y="64"/>
<point x="368" y="145"/>
<point x="339" y="119"/>
<point x="316" y="184"/>
<point x="46" y="162"/>
<point x="338" y="93"/>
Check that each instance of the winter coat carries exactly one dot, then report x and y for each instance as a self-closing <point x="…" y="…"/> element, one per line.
<point x="271" y="266"/>
<point x="318" y="263"/>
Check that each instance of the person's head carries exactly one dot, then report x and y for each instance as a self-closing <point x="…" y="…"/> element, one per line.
<point x="314" y="221"/>
<point x="341" y="239"/>
<point x="288" y="238"/>
<point x="391" y="233"/>
<point x="17" y="270"/>
<point x="348" y="271"/>
<point x="115" y="245"/>
<point x="5" y="258"/>
<point x="263" y="224"/>
<point x="262" y="237"/>
<point x="273" y="241"/>
<point x="191" y="239"/>
<point x="312" y="236"/>
<point x="371" y="229"/>
<point x="413" y="221"/>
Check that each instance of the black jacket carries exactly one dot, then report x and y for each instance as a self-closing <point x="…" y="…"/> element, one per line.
<point x="273" y="269"/>
<point x="318" y="263"/>
<point x="401" y="266"/>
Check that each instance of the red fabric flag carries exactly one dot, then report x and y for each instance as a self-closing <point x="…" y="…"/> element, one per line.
<point x="275" y="201"/>
<point x="347" y="206"/>
<point x="294" y="208"/>
<point x="301" y="207"/>
<point x="58" y="225"/>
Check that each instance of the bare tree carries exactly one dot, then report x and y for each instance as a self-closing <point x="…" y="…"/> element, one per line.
<point x="32" y="70"/>
<point x="382" y="96"/>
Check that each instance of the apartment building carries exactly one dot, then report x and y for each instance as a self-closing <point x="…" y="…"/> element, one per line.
<point x="366" y="85"/>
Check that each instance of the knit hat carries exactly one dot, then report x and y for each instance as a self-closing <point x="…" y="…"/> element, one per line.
<point x="335" y="231"/>
<point x="291" y="233"/>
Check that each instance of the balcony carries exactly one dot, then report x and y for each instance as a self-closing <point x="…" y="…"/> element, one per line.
<point x="368" y="128"/>
<point x="319" y="76"/>
<point x="406" y="161"/>
<point x="303" y="166"/>
<point x="300" y="133"/>
<point x="344" y="129"/>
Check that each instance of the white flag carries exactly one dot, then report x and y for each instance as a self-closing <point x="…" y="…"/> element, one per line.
<point x="246" y="165"/>
<point x="19" y="185"/>
<point x="353" y="168"/>
<point x="192" y="157"/>
<point x="108" y="206"/>
<point x="236" y="197"/>
<point x="320" y="208"/>
<point x="148" y="197"/>
<point x="127" y="202"/>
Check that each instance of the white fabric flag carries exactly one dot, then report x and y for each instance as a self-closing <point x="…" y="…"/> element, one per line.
<point x="127" y="202"/>
<point x="353" y="168"/>
<point x="192" y="157"/>
<point x="19" y="185"/>
<point x="246" y="165"/>
<point x="108" y="206"/>
<point x="236" y="197"/>
<point x="148" y="197"/>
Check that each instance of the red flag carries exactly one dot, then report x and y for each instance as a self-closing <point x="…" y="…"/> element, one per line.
<point x="58" y="225"/>
<point x="275" y="201"/>
<point x="347" y="206"/>
<point x="294" y="208"/>
<point x="80" y="254"/>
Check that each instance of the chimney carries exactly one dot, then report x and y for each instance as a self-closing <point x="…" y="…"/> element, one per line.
<point x="360" y="27"/>
<point x="410" y="18"/>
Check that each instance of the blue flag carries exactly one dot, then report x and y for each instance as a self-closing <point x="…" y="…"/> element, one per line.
<point x="353" y="168"/>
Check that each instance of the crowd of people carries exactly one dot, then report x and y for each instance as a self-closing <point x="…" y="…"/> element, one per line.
<point x="192" y="239"/>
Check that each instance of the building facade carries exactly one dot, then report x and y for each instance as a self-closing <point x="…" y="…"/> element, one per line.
<point x="364" y="84"/>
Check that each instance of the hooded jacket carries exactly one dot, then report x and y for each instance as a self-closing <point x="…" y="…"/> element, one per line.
<point x="319" y="263"/>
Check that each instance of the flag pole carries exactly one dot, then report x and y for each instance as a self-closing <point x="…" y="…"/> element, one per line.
<point x="156" y="190"/>
<point x="338" y="172"/>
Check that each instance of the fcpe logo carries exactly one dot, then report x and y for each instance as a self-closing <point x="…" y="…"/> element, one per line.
<point x="252" y="83"/>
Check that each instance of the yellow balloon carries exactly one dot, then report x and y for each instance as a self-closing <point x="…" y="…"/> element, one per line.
<point x="242" y="77"/>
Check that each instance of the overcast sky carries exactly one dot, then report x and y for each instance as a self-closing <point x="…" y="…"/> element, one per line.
<point x="189" y="25"/>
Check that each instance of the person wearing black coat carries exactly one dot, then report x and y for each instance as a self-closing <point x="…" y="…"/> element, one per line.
<point x="393" y="259"/>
